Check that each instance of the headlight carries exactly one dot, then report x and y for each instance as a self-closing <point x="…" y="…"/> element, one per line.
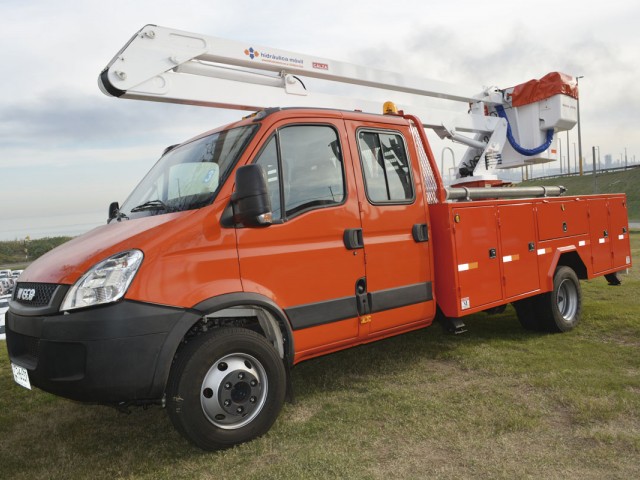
<point x="105" y="282"/>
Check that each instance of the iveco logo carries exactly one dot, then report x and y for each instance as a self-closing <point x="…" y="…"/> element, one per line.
<point x="26" y="294"/>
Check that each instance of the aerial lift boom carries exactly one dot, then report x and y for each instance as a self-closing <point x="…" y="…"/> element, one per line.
<point x="166" y="65"/>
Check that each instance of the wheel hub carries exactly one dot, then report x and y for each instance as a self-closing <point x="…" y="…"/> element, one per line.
<point x="239" y="393"/>
<point x="233" y="391"/>
<point x="567" y="300"/>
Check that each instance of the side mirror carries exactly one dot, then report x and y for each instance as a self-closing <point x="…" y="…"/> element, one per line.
<point x="114" y="208"/>
<point x="251" y="201"/>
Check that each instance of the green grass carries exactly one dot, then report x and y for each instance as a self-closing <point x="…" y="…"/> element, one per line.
<point x="496" y="402"/>
<point x="627" y="181"/>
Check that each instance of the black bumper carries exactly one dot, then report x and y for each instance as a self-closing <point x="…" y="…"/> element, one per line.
<point x="117" y="353"/>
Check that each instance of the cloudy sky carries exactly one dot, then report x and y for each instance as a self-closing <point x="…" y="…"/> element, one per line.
<point x="67" y="150"/>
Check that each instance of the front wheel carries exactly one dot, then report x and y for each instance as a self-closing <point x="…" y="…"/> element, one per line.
<point x="225" y="388"/>
<point x="561" y="308"/>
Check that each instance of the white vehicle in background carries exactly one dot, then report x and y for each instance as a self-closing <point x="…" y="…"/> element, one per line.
<point x="6" y="285"/>
<point x="16" y="273"/>
<point x="5" y="273"/>
<point x="4" y="306"/>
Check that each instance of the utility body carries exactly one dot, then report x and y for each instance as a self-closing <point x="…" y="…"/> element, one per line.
<point x="290" y="234"/>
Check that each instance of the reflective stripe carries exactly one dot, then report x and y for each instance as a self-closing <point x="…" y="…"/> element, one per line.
<point x="463" y="267"/>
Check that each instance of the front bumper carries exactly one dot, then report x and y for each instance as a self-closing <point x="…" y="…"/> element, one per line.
<point x="116" y="353"/>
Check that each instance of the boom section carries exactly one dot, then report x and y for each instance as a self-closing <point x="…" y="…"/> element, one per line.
<point x="155" y="53"/>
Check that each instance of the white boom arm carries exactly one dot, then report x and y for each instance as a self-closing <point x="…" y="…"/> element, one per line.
<point x="166" y="65"/>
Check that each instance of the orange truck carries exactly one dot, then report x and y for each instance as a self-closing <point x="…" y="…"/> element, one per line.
<point x="294" y="233"/>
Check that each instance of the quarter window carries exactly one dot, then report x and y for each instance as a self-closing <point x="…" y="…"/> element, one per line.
<point x="385" y="165"/>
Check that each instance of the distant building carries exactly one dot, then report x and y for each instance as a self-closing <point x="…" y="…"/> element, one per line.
<point x="608" y="161"/>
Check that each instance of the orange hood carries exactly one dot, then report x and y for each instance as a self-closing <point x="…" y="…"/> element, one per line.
<point x="68" y="262"/>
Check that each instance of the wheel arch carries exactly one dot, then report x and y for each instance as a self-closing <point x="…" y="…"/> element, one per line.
<point x="272" y="321"/>
<point x="271" y="318"/>
<point x="568" y="257"/>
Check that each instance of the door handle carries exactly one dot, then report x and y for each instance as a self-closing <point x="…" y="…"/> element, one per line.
<point x="353" y="238"/>
<point x="420" y="232"/>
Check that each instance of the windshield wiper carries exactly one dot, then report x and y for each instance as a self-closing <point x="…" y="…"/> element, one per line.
<point x="150" y="205"/>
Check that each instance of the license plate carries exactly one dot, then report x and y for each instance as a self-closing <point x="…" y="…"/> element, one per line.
<point x="21" y="376"/>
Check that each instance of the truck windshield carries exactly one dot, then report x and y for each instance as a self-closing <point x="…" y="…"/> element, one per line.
<point x="188" y="176"/>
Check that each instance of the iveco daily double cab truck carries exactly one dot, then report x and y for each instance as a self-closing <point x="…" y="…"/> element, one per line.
<point x="290" y="234"/>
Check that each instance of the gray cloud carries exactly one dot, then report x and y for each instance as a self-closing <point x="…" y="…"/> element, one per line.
<point x="85" y="119"/>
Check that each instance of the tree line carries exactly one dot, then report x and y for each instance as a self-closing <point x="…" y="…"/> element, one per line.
<point x="26" y="250"/>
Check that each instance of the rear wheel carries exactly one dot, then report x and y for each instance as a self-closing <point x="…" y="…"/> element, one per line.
<point x="226" y="387"/>
<point x="561" y="308"/>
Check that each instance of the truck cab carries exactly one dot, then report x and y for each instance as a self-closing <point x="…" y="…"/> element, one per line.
<point x="345" y="258"/>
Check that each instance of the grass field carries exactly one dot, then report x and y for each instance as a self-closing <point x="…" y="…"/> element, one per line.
<point x="496" y="402"/>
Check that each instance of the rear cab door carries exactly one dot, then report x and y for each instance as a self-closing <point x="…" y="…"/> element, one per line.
<point x="395" y="227"/>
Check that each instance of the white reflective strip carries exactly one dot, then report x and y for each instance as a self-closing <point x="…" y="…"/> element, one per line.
<point x="541" y="251"/>
<point x="463" y="267"/>
<point x="582" y="243"/>
<point x="601" y="240"/>
<point x="506" y="259"/>
<point x="620" y="237"/>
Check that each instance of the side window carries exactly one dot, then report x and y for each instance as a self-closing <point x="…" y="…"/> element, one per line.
<point x="304" y="163"/>
<point x="385" y="164"/>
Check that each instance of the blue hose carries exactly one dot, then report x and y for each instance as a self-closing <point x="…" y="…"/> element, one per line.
<point x="529" y="152"/>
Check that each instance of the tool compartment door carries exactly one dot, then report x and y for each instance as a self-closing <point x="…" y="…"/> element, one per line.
<point x="621" y="248"/>
<point x="518" y="252"/>
<point x="599" y="235"/>
<point x="477" y="256"/>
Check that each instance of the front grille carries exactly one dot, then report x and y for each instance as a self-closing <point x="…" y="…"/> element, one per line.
<point x="34" y="294"/>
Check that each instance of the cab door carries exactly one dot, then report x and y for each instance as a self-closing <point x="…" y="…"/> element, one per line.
<point x="301" y="262"/>
<point x="395" y="229"/>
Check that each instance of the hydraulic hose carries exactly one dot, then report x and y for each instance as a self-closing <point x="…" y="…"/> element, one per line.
<point x="521" y="150"/>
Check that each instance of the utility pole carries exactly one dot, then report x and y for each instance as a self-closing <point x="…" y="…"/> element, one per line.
<point x="625" y="158"/>
<point x="560" y="152"/>
<point x="579" y="135"/>
<point x="568" y="156"/>
<point x="595" y="174"/>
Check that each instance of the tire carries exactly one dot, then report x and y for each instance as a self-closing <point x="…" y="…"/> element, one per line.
<point x="527" y="313"/>
<point x="226" y="387"/>
<point x="560" y="309"/>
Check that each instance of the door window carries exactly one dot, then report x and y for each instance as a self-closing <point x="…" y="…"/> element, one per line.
<point x="385" y="166"/>
<point x="304" y="169"/>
